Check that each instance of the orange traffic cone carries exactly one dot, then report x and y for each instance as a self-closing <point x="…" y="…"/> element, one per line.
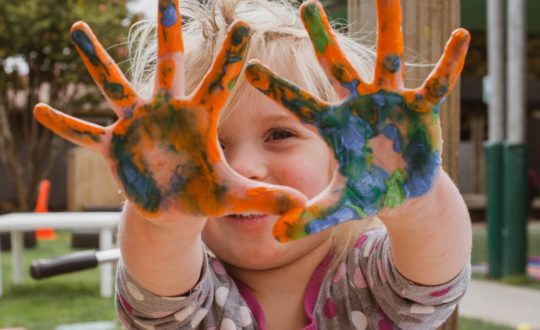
<point x="41" y="207"/>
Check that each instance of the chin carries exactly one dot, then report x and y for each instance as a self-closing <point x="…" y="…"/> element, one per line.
<point x="252" y="265"/>
<point x="251" y="246"/>
<point x="253" y="251"/>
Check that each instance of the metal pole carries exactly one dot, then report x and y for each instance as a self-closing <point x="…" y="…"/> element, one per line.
<point x="516" y="72"/>
<point x="494" y="149"/>
<point x="515" y="149"/>
<point x="496" y="70"/>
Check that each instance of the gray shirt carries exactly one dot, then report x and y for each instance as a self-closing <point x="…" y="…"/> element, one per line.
<point x="364" y="292"/>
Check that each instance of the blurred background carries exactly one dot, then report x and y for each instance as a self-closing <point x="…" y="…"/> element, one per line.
<point x="39" y="64"/>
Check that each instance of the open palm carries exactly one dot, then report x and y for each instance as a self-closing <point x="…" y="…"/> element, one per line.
<point x="386" y="138"/>
<point x="164" y="151"/>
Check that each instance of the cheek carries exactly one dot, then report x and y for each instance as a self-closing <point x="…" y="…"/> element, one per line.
<point x="209" y="234"/>
<point x="309" y="175"/>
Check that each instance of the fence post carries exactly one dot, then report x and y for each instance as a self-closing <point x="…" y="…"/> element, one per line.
<point x="494" y="149"/>
<point x="515" y="148"/>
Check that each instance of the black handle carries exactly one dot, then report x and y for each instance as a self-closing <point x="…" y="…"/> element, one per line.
<point x="72" y="262"/>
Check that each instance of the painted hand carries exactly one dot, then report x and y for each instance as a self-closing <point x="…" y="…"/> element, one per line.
<point x="165" y="152"/>
<point x="386" y="138"/>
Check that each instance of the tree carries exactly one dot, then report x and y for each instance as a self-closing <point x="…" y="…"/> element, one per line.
<point x="38" y="63"/>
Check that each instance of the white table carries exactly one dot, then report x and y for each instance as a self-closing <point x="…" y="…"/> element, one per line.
<point x="17" y="223"/>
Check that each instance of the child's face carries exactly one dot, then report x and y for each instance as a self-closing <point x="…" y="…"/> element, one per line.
<point x="264" y="142"/>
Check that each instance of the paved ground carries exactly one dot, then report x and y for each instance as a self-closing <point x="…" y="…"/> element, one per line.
<point x="502" y="304"/>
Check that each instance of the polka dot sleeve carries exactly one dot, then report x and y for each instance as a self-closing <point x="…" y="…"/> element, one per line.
<point x="406" y="304"/>
<point x="140" y="309"/>
<point x="213" y="303"/>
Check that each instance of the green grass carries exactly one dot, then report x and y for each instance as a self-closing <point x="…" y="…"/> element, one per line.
<point x="74" y="298"/>
<point x="479" y="253"/>
<point x="466" y="323"/>
<point x="47" y="303"/>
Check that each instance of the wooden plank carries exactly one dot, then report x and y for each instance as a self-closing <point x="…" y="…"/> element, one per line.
<point x="478" y="124"/>
<point x="361" y="19"/>
<point x="427" y="25"/>
<point x="90" y="184"/>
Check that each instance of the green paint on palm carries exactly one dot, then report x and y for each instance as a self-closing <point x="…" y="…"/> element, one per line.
<point x="231" y="84"/>
<point x="395" y="195"/>
<point x="368" y="153"/>
<point x="114" y="90"/>
<point x="359" y="211"/>
<point x="138" y="183"/>
<point x="316" y="29"/>
<point x="93" y="136"/>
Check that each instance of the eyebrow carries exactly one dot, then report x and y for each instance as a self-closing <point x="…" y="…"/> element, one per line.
<point x="279" y="118"/>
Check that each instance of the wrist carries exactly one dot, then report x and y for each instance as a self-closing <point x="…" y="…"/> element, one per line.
<point x="422" y="205"/>
<point x="166" y="221"/>
<point x="164" y="256"/>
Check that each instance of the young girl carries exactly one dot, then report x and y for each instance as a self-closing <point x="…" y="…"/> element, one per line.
<point x="191" y="260"/>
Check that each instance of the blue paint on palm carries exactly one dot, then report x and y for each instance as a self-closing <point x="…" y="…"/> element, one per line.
<point x="169" y="15"/>
<point x="352" y="87"/>
<point x="178" y="180"/>
<point x="392" y="63"/>
<point x="86" y="46"/>
<point x="345" y="211"/>
<point x="138" y="183"/>
<point x="128" y="111"/>
<point x="347" y="128"/>
<point x="379" y="101"/>
<point x="392" y="133"/>
<point x="348" y="141"/>
<point x="422" y="164"/>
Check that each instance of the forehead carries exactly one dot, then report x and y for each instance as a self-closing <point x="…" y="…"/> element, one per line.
<point x="255" y="104"/>
<point x="286" y="60"/>
<point x="249" y="101"/>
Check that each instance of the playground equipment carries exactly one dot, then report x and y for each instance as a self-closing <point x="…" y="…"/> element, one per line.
<point x="104" y="222"/>
<point x="42" y="207"/>
<point x="73" y="262"/>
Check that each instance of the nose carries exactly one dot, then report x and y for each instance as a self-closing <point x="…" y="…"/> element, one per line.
<point x="248" y="161"/>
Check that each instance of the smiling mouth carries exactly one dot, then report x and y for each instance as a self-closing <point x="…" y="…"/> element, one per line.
<point x="251" y="223"/>
<point x="238" y="216"/>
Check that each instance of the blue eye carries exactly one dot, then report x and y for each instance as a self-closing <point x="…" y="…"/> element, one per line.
<point x="280" y="134"/>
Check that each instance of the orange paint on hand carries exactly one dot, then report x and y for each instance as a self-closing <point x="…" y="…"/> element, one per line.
<point x="165" y="151"/>
<point x="70" y="128"/>
<point x="106" y="74"/>
<point x="167" y="70"/>
<point x="169" y="28"/>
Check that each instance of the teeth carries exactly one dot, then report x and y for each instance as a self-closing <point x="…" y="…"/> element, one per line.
<point x="246" y="216"/>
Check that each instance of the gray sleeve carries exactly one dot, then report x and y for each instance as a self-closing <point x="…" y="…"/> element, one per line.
<point x="214" y="302"/>
<point x="138" y="308"/>
<point x="409" y="305"/>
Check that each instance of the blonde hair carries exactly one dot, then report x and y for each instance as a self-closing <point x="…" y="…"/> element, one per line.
<point x="278" y="39"/>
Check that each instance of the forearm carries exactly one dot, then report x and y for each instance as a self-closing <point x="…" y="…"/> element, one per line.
<point x="431" y="235"/>
<point x="165" y="259"/>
